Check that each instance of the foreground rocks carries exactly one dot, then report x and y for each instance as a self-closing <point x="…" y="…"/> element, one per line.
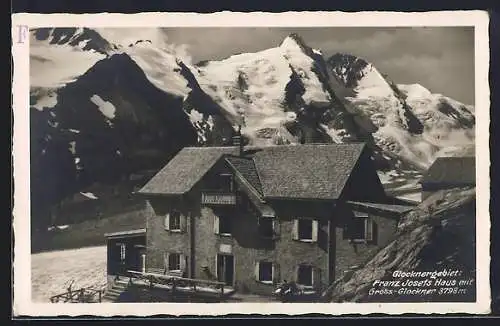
<point x="439" y="234"/>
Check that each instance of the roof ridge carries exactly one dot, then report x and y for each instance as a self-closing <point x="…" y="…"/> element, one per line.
<point x="258" y="175"/>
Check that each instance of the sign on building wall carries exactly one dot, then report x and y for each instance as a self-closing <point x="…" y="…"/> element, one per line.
<point x="225" y="248"/>
<point x="218" y="199"/>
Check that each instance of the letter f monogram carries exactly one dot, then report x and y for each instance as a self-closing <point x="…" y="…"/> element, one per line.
<point x="22" y="31"/>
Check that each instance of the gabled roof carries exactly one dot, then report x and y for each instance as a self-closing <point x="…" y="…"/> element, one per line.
<point x="184" y="170"/>
<point x="451" y="171"/>
<point x="246" y="167"/>
<point x="311" y="171"/>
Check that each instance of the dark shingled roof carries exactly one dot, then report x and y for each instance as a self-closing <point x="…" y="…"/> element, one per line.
<point x="451" y="171"/>
<point x="185" y="170"/>
<point x="312" y="171"/>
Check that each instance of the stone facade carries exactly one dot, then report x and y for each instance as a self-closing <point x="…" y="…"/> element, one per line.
<point x="330" y="254"/>
<point x="348" y="254"/>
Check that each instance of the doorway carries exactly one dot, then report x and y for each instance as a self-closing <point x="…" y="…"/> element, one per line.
<point x="225" y="268"/>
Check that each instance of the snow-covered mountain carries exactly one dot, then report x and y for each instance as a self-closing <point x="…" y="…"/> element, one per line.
<point x="406" y="120"/>
<point x="96" y="115"/>
<point x="101" y="110"/>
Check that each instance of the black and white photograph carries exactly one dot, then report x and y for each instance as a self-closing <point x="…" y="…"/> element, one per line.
<point x="253" y="164"/>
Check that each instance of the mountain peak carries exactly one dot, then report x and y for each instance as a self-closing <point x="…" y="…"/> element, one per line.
<point x="294" y="40"/>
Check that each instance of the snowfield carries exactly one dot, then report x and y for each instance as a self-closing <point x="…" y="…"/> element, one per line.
<point x="56" y="65"/>
<point x="160" y="66"/>
<point x="52" y="272"/>
<point x="52" y="66"/>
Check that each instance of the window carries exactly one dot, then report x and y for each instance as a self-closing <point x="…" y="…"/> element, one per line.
<point x="265" y="271"/>
<point x="266" y="227"/>
<point x="225" y="225"/>
<point x="173" y="221"/>
<point x="173" y="262"/>
<point x="360" y="228"/>
<point x="305" y="275"/>
<point x="222" y="225"/>
<point x="357" y="228"/>
<point x="305" y="230"/>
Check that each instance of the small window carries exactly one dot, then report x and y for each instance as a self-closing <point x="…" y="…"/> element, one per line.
<point x="224" y="225"/>
<point x="265" y="271"/>
<point x="173" y="221"/>
<point x="266" y="227"/>
<point x="305" y="229"/>
<point x="305" y="275"/>
<point x="174" y="262"/>
<point x="360" y="228"/>
<point x="357" y="228"/>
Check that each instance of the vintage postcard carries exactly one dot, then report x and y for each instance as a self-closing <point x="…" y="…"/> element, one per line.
<point x="270" y="163"/>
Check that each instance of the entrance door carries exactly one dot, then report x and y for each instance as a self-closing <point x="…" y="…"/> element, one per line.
<point x="122" y="258"/>
<point x="225" y="268"/>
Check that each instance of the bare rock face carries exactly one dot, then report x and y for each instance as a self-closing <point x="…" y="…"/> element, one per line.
<point x="438" y="234"/>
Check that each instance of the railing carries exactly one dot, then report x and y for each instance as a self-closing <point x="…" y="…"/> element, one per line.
<point x="180" y="284"/>
<point x="82" y="295"/>
<point x="218" y="198"/>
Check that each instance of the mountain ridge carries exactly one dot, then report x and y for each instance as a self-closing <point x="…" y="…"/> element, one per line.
<point x="144" y="98"/>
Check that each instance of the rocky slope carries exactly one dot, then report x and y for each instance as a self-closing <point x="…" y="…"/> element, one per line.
<point x="438" y="234"/>
<point x="101" y="111"/>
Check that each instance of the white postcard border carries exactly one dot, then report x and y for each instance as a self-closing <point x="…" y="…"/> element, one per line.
<point x="22" y="304"/>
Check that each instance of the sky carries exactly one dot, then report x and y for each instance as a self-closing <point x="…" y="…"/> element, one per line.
<point x="439" y="58"/>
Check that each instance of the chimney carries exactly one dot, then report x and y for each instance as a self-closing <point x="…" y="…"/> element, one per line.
<point x="237" y="141"/>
